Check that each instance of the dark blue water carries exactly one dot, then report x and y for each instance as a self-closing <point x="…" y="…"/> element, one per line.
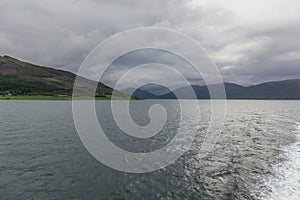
<point x="42" y="157"/>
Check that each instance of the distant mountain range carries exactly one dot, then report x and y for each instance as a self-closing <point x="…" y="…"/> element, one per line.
<point x="22" y="78"/>
<point x="286" y="89"/>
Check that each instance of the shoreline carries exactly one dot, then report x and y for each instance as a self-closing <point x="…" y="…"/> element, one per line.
<point x="55" y="98"/>
<point x="69" y="98"/>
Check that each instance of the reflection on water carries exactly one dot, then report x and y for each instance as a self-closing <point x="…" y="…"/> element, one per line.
<point x="256" y="156"/>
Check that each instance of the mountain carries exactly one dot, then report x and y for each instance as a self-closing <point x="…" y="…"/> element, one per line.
<point x="140" y="93"/>
<point x="155" y="89"/>
<point x="149" y="91"/>
<point x="286" y="89"/>
<point x="22" y="78"/>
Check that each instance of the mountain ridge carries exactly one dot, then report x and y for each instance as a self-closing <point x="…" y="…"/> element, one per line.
<point x="283" y="89"/>
<point x="23" y="78"/>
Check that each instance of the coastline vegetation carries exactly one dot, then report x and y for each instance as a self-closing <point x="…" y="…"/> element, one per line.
<point x="62" y="97"/>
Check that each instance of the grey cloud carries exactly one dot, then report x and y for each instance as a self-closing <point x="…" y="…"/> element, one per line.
<point x="251" y="42"/>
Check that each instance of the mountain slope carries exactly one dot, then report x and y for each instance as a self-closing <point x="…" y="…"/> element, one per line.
<point x="149" y="91"/>
<point x="22" y="78"/>
<point x="287" y="89"/>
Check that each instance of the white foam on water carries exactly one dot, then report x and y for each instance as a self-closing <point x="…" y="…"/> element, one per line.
<point x="287" y="185"/>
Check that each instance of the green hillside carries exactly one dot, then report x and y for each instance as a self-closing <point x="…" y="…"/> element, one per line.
<point x="22" y="80"/>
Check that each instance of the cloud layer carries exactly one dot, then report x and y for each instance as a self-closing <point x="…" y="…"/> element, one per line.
<point x="250" y="41"/>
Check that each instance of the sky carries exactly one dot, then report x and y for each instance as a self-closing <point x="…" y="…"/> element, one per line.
<point x="251" y="41"/>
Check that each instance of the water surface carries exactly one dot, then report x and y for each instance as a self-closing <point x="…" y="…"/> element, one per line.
<point x="256" y="156"/>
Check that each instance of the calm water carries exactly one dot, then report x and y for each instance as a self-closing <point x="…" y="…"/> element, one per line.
<point x="256" y="156"/>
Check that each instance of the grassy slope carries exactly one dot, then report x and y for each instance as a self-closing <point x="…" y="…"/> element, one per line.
<point x="28" y="81"/>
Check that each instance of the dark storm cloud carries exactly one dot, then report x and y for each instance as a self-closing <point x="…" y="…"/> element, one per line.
<point x="251" y="41"/>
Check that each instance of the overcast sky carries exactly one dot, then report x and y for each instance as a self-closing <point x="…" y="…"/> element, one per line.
<point x="251" y="41"/>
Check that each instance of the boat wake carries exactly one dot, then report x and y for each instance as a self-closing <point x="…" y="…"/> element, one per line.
<point x="286" y="183"/>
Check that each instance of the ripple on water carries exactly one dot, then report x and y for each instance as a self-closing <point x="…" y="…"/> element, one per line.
<point x="41" y="156"/>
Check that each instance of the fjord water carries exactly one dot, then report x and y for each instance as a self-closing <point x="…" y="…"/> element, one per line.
<point x="255" y="157"/>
